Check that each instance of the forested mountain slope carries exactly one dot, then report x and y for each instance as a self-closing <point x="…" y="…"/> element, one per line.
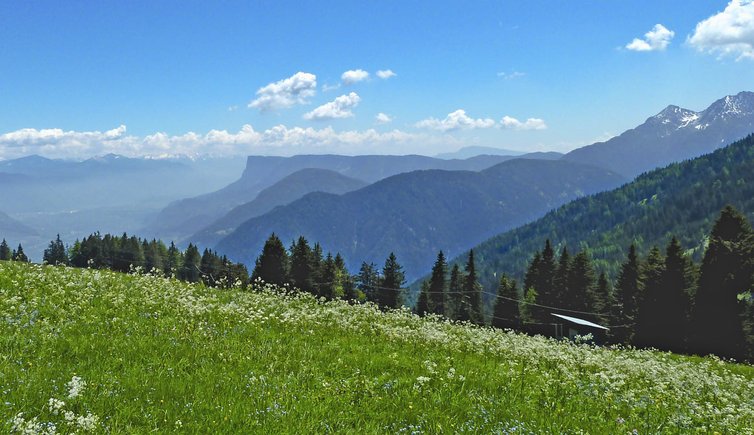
<point x="682" y="199"/>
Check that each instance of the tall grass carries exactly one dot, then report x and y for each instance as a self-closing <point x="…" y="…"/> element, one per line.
<point x="84" y="350"/>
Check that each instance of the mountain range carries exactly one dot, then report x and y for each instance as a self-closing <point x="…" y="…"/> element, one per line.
<point x="673" y="135"/>
<point x="418" y="213"/>
<point x="180" y="219"/>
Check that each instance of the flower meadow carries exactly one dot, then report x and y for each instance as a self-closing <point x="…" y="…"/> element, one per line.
<point x="86" y="351"/>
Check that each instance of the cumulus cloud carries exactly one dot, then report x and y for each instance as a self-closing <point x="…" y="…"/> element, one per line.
<point x="354" y="76"/>
<point x="656" y="39"/>
<point x="385" y="74"/>
<point x="457" y="120"/>
<point x="296" y="89"/>
<point x="277" y="140"/>
<point x="338" y="108"/>
<point x="530" y="124"/>
<point x="728" y="33"/>
<point x="383" y="118"/>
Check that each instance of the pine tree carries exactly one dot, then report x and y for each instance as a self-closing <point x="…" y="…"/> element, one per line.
<point x="454" y="294"/>
<point x="507" y="313"/>
<point x="437" y="286"/>
<point x="561" y="280"/>
<point x="189" y="270"/>
<point x="540" y="277"/>
<point x="211" y="268"/>
<point x="154" y="256"/>
<point x="581" y="282"/>
<point x="173" y="260"/>
<point x="604" y="301"/>
<point x="718" y="317"/>
<point x="301" y="265"/>
<point x="391" y="283"/>
<point x="345" y="282"/>
<point x="367" y="281"/>
<point x="55" y="253"/>
<point x="272" y="264"/>
<point x="644" y="326"/>
<point x="5" y="252"/>
<point x="628" y="292"/>
<point x="328" y="286"/>
<point x="471" y="302"/>
<point x="18" y="255"/>
<point x="668" y="320"/>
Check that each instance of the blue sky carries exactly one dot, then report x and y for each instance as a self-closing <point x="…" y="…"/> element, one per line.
<point x="161" y="78"/>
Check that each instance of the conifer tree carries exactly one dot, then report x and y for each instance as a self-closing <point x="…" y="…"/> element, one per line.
<point x="718" y="317"/>
<point x="454" y="294"/>
<point x="561" y="280"/>
<point x="367" y="281"/>
<point x="391" y="283"/>
<point x="5" y="252"/>
<point x="471" y="302"/>
<point x="604" y="300"/>
<point x="507" y="313"/>
<point x="316" y="267"/>
<point x="437" y="286"/>
<point x="345" y="286"/>
<point x="19" y="255"/>
<point x="581" y="282"/>
<point x="651" y="279"/>
<point x="628" y="292"/>
<point x="55" y="253"/>
<point x="173" y="260"/>
<point x="189" y="270"/>
<point x="153" y="256"/>
<point x="301" y="265"/>
<point x="211" y="268"/>
<point x="272" y="264"/>
<point x="328" y="288"/>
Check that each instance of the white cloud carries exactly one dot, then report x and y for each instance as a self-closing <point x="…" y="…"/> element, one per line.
<point x="455" y="121"/>
<point x="277" y="140"/>
<point x="511" y="75"/>
<point x="386" y="74"/>
<point x="730" y="32"/>
<point x="296" y="89"/>
<point x="338" y="108"/>
<point x="354" y="76"/>
<point x="383" y="118"/>
<point x="328" y="88"/>
<point x="530" y="124"/>
<point x="656" y="39"/>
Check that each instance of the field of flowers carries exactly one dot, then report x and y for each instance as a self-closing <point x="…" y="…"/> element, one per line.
<point x="85" y="350"/>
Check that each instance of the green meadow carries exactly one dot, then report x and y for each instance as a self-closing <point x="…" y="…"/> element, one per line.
<point x="103" y="352"/>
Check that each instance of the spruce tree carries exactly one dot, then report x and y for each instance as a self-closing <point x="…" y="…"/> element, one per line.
<point x="471" y="302"/>
<point x="455" y="293"/>
<point x="272" y="264"/>
<point x="5" y="252"/>
<point x="604" y="301"/>
<point x="645" y="325"/>
<point x="367" y="281"/>
<point x="328" y="288"/>
<point x="544" y="282"/>
<point x="628" y="290"/>
<point x="345" y="282"/>
<point x="19" y="255"/>
<point x="507" y="313"/>
<point x="189" y="270"/>
<point x="561" y="280"/>
<point x="55" y="253"/>
<point x="581" y="282"/>
<point x="718" y="317"/>
<point x="173" y="261"/>
<point x="391" y="283"/>
<point x="437" y="286"/>
<point x="301" y="265"/>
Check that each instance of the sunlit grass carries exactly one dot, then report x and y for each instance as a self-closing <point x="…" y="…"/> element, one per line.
<point x="160" y="355"/>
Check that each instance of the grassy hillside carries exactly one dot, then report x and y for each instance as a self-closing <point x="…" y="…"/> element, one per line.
<point x="101" y="351"/>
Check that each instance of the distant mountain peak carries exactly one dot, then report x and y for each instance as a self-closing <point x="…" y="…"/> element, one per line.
<point x="731" y="106"/>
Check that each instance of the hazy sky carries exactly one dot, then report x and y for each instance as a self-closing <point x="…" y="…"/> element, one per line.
<point x="276" y="77"/>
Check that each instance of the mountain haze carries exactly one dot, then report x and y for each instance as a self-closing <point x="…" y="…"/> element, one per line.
<point x="287" y="190"/>
<point x="418" y="213"/>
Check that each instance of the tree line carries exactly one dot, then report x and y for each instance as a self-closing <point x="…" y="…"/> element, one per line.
<point x="664" y="301"/>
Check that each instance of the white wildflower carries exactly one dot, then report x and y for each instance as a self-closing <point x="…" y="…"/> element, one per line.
<point x="55" y="405"/>
<point x="75" y="387"/>
<point x="88" y="422"/>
